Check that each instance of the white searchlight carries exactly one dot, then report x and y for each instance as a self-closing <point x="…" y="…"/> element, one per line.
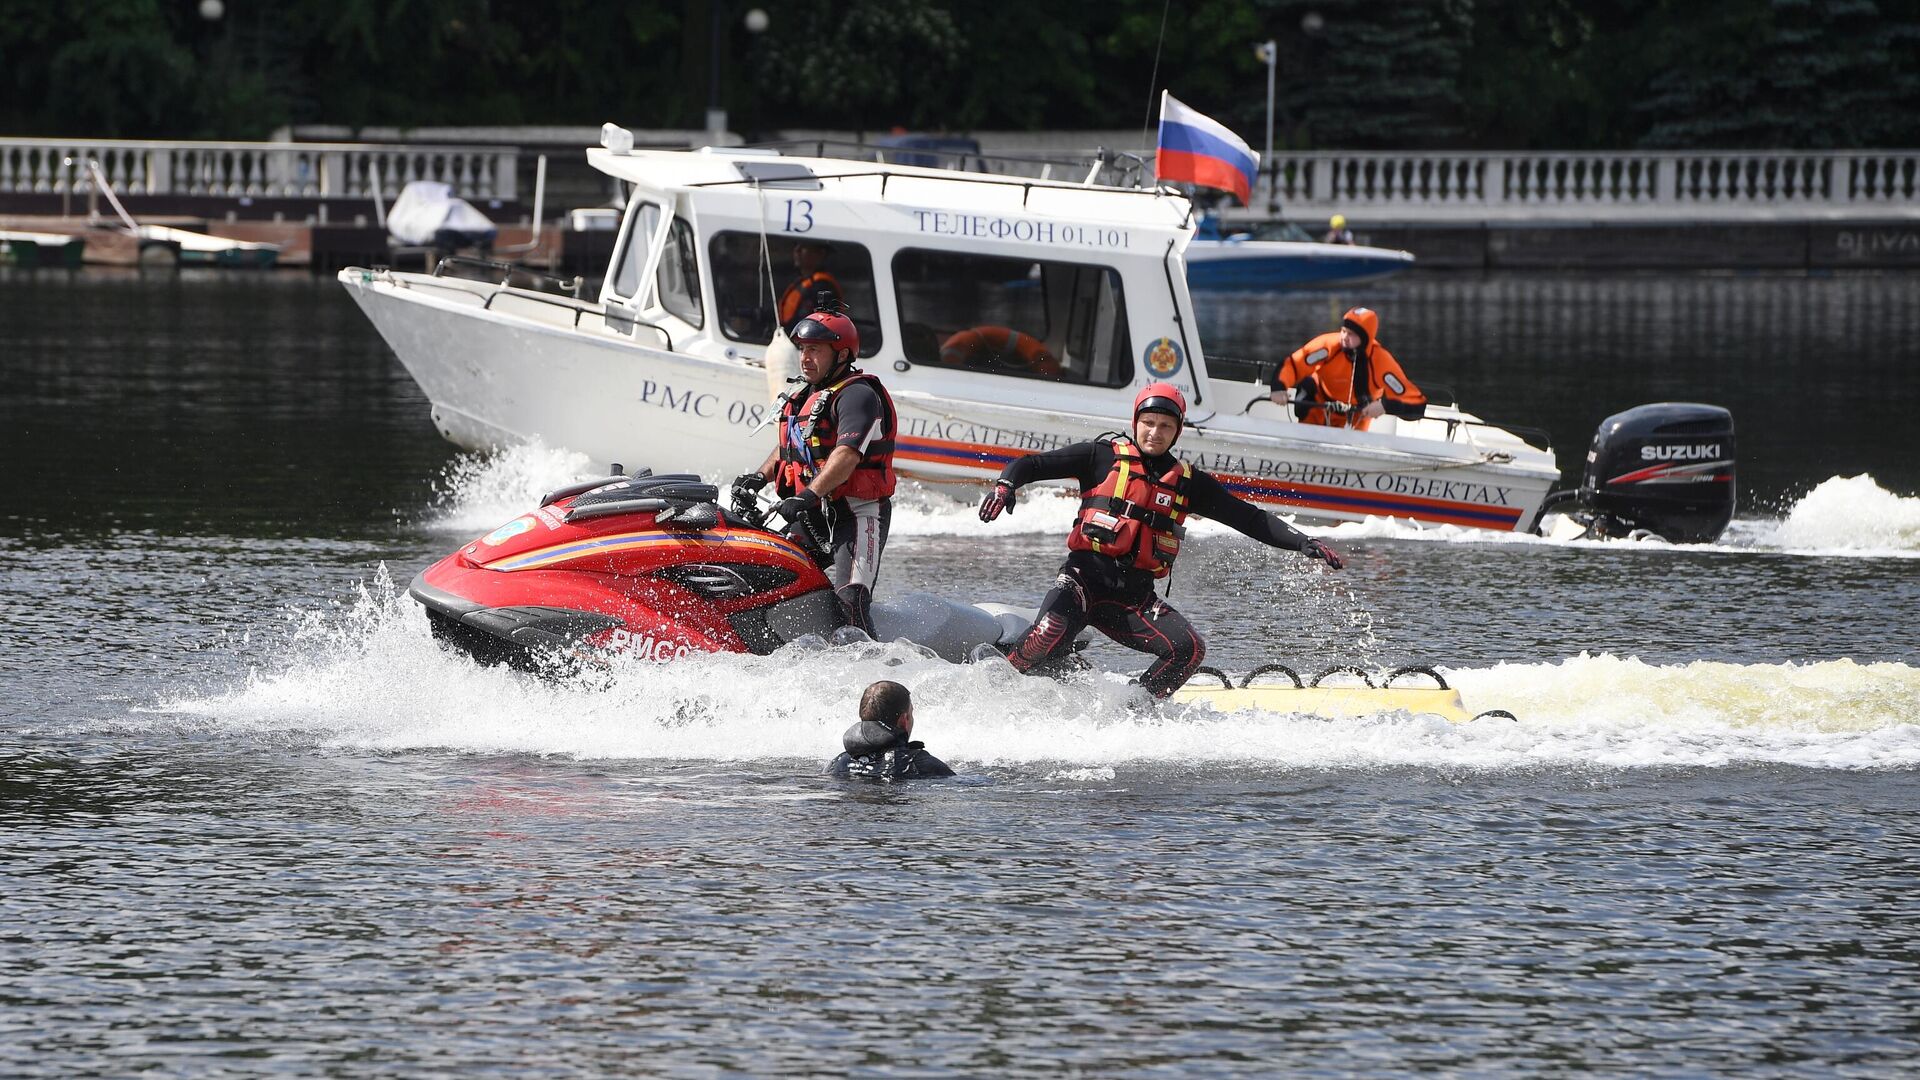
<point x="616" y="138"/>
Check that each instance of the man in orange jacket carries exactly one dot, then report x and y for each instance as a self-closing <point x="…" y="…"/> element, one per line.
<point x="1347" y="378"/>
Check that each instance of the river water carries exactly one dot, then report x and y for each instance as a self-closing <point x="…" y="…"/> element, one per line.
<point x="256" y="823"/>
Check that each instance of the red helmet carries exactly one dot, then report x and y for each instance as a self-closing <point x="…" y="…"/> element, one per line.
<point x="831" y="327"/>
<point x="1161" y="397"/>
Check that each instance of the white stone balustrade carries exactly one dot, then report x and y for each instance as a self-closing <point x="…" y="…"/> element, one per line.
<point x="262" y="170"/>
<point x="1654" y="185"/>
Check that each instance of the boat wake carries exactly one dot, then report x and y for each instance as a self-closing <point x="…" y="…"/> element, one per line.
<point x="368" y="677"/>
<point x="1849" y="517"/>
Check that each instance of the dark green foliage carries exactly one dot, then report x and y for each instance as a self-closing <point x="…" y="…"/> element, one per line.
<point x="1524" y="74"/>
<point x="1374" y="74"/>
<point x="862" y="65"/>
<point x="1816" y="74"/>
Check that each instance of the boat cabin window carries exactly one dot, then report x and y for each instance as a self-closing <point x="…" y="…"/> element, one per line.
<point x="678" y="278"/>
<point x="1029" y="318"/>
<point x="633" y="251"/>
<point x="679" y="275"/>
<point x="805" y="274"/>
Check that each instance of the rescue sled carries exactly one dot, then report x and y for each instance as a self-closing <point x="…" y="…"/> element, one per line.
<point x="1334" y="700"/>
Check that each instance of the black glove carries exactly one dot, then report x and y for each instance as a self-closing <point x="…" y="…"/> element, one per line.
<point x="1314" y="549"/>
<point x="792" y="508"/>
<point x="1000" y="498"/>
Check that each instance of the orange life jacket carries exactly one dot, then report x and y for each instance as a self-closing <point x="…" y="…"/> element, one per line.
<point x="808" y="435"/>
<point x="800" y="296"/>
<point x="1132" y="516"/>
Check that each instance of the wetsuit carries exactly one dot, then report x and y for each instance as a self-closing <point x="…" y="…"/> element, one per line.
<point x="883" y="753"/>
<point x="1118" y="600"/>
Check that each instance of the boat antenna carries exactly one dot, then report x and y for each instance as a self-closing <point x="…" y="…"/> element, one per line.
<point x="1154" y="79"/>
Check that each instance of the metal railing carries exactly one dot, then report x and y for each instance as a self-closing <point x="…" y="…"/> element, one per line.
<point x="1101" y="166"/>
<point x="260" y="170"/>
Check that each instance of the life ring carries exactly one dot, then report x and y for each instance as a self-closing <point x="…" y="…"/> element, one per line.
<point x="999" y="348"/>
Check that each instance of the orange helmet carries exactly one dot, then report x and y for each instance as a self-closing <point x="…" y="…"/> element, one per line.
<point x="1161" y="397"/>
<point x="1362" y="321"/>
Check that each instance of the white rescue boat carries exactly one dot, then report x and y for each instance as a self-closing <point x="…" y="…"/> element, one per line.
<point x="1006" y="315"/>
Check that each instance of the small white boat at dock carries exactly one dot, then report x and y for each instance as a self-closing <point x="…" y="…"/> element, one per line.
<point x="30" y="249"/>
<point x="1006" y="315"/>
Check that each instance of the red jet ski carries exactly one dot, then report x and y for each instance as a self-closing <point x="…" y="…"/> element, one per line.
<point x="652" y="566"/>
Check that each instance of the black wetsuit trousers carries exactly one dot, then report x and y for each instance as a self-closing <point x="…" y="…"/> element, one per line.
<point x="1135" y="617"/>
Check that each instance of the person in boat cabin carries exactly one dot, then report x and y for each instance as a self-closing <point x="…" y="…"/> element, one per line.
<point x="1137" y="499"/>
<point x="1346" y="378"/>
<point x="879" y="746"/>
<point x="1337" y="231"/>
<point x="804" y="295"/>
<point x="834" y="457"/>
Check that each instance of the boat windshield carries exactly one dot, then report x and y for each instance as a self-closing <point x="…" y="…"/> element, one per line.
<point x="1029" y="318"/>
<point x="677" y="279"/>
<point x="806" y="275"/>
<point x="1282" y="230"/>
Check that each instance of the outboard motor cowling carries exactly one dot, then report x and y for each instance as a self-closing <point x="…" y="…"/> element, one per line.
<point x="1665" y="470"/>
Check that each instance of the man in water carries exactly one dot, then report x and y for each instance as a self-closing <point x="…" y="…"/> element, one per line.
<point x="1136" y="498"/>
<point x="877" y="748"/>
<point x="803" y="296"/>
<point x="835" y="457"/>
<point x="1346" y="378"/>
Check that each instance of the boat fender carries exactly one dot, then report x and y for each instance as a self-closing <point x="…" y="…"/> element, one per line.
<point x="869" y="737"/>
<point x="783" y="365"/>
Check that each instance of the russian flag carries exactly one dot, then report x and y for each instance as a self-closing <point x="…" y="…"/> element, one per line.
<point x="1195" y="149"/>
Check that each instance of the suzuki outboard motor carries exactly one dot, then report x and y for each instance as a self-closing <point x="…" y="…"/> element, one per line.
<point x="1662" y="470"/>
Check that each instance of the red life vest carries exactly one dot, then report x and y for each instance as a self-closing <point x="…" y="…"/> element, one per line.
<point x="1132" y="516"/>
<point x="808" y="434"/>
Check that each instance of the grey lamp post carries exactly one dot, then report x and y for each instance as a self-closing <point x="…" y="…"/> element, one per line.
<point x="1269" y="51"/>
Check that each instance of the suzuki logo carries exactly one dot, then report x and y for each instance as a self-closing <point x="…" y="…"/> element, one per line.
<point x="1680" y="452"/>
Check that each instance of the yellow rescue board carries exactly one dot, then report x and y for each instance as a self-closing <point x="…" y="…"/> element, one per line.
<point x="1330" y="701"/>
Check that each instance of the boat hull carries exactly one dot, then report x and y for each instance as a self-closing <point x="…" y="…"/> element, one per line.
<point x="1259" y="265"/>
<point x="496" y="380"/>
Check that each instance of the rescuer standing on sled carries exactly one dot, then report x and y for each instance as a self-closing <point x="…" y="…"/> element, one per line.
<point x="1346" y="378"/>
<point x="1136" y="499"/>
<point x="835" y="455"/>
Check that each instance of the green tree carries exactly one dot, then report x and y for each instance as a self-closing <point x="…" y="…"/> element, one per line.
<point x="862" y="64"/>
<point x="1785" y="73"/>
<point x="95" y="67"/>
